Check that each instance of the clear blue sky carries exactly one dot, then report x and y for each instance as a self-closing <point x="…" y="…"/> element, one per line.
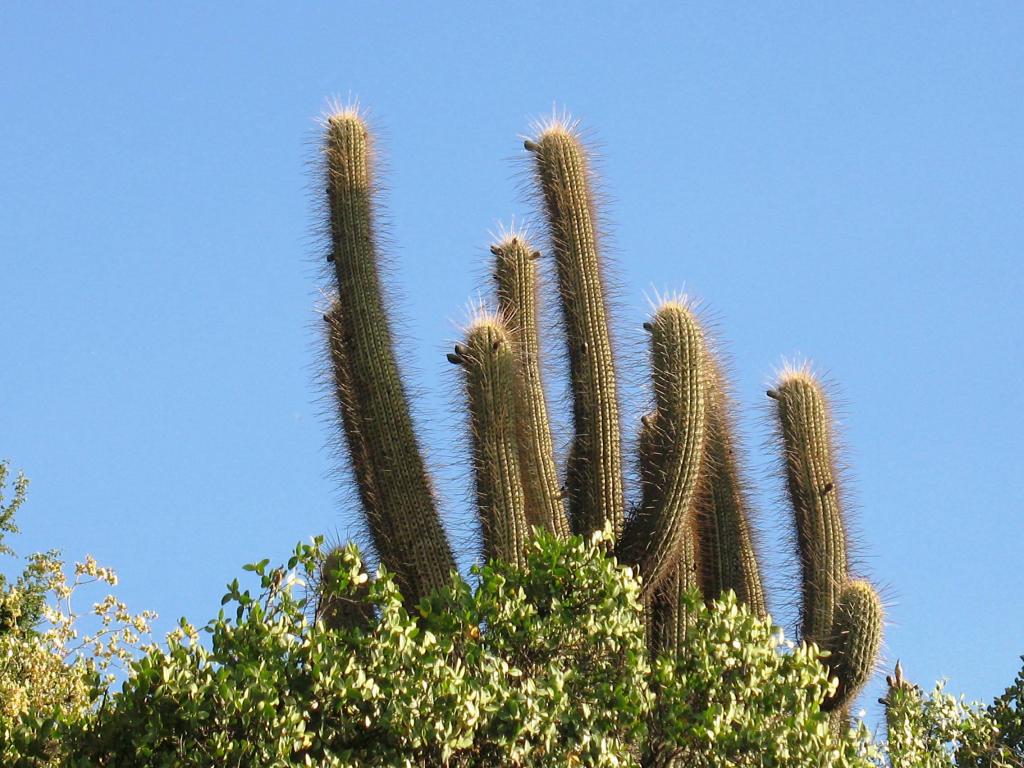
<point x="838" y="181"/>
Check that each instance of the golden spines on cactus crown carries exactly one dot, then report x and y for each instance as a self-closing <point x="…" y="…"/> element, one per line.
<point x="806" y="430"/>
<point x="594" y="473"/>
<point x="516" y="279"/>
<point x="491" y="373"/>
<point x="400" y="509"/>
<point x="657" y="536"/>
<point x="728" y="556"/>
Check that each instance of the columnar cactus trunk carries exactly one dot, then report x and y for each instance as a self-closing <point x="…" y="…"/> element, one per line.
<point x="728" y="556"/>
<point x="594" y="473"/>
<point x="655" y="537"/>
<point x="669" y="614"/>
<point x="842" y="616"/>
<point x="491" y="371"/>
<point x="394" y="487"/>
<point x="806" y="429"/>
<point x="517" y="284"/>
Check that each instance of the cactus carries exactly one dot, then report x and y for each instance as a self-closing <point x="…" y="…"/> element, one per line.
<point x="654" y="538"/>
<point x="594" y="472"/>
<point x="390" y="471"/>
<point x="691" y="528"/>
<point x="805" y="427"/>
<point x="667" y="611"/>
<point x="843" y="617"/>
<point x="728" y="556"/>
<point x="516" y="281"/>
<point x="855" y="640"/>
<point x="491" y="371"/>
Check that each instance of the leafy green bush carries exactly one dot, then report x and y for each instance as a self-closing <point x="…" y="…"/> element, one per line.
<point x="540" y="666"/>
<point x="1008" y="714"/>
<point x="545" y="665"/>
<point x="54" y="666"/>
<point x="742" y="695"/>
<point x="536" y="667"/>
<point x="939" y="730"/>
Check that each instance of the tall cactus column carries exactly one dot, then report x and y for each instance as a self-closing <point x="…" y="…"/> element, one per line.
<point x="394" y="487"/>
<point x="515" y="276"/>
<point x="728" y="555"/>
<point x="657" y="537"/>
<point x="843" y="616"/>
<point x="491" y="388"/>
<point x="594" y="472"/>
<point x="806" y="429"/>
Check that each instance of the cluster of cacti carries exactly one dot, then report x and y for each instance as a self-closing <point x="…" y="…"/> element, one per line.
<point x="690" y="527"/>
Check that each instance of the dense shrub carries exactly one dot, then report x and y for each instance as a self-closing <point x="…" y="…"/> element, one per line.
<point x="545" y="665"/>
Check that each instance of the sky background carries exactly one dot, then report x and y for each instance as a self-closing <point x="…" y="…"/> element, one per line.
<point x="841" y="182"/>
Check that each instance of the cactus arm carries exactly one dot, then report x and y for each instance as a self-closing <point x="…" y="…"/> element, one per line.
<point x="402" y="517"/>
<point x="655" y="536"/>
<point x="841" y="615"/>
<point x="728" y="556"/>
<point x="594" y="473"/>
<point x="806" y="431"/>
<point x="656" y="618"/>
<point x="855" y="642"/>
<point x="515" y="275"/>
<point x="491" y="370"/>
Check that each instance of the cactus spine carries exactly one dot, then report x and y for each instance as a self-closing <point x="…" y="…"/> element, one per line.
<point x="397" y="497"/>
<point x="515" y="277"/>
<point x="491" y="370"/>
<point x="594" y="474"/>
